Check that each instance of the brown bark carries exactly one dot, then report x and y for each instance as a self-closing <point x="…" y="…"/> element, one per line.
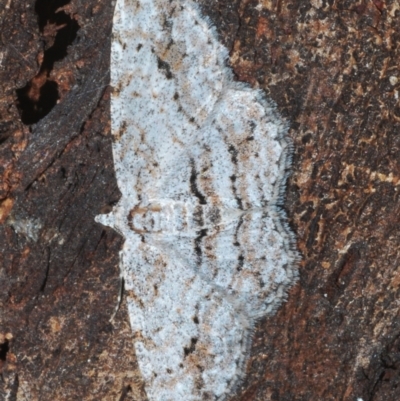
<point x="332" y="67"/>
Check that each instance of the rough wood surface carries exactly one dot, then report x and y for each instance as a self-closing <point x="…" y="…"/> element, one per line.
<point x="332" y="67"/>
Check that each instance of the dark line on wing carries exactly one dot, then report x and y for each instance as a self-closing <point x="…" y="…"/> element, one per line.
<point x="237" y="243"/>
<point x="192" y="347"/>
<point x="193" y="185"/>
<point x="163" y="65"/>
<point x="233" y="151"/>
<point x="197" y="244"/>
<point x="234" y="190"/>
<point x="240" y="263"/>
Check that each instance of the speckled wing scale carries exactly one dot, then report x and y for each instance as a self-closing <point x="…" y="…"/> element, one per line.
<point x="200" y="161"/>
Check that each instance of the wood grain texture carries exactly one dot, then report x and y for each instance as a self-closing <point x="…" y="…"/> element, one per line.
<point x="333" y="69"/>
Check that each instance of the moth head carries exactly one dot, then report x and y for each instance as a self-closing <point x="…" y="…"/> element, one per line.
<point x="106" y="219"/>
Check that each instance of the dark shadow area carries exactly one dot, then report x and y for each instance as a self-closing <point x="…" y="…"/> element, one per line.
<point x="5" y="132"/>
<point x="46" y="11"/>
<point x="38" y="97"/>
<point x="14" y="390"/>
<point x="34" y="109"/>
<point x="4" y="348"/>
<point x="125" y="391"/>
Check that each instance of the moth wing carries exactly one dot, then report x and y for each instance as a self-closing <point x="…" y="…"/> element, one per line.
<point x="190" y="339"/>
<point x="163" y="92"/>
<point x="239" y="157"/>
<point x="239" y="164"/>
<point x="253" y="260"/>
<point x="250" y="260"/>
<point x="242" y="153"/>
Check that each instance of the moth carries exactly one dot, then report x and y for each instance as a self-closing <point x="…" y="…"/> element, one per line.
<point x="201" y="162"/>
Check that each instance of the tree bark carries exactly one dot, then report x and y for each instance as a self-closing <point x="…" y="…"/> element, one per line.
<point x="332" y="67"/>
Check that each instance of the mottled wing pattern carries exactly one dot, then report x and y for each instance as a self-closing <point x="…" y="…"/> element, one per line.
<point x="188" y="338"/>
<point x="200" y="161"/>
<point x="253" y="257"/>
<point x="170" y="75"/>
<point x="243" y="145"/>
<point x="239" y="261"/>
<point x="238" y="163"/>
